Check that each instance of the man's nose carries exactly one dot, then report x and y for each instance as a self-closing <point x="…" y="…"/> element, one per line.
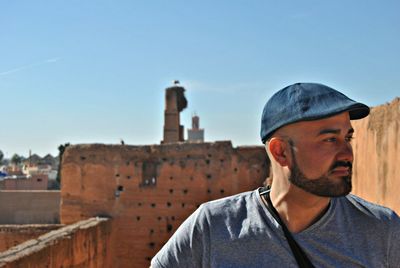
<point x="345" y="152"/>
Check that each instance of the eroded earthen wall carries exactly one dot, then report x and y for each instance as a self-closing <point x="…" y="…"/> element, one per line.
<point x="150" y="190"/>
<point x="35" y="182"/>
<point x="376" y="147"/>
<point x="12" y="235"/>
<point x="83" y="244"/>
<point x="29" y="207"/>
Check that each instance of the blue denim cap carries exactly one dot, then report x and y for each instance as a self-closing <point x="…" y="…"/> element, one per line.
<point x="306" y="102"/>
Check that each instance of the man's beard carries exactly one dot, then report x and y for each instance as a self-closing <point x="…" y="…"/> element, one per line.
<point x="322" y="186"/>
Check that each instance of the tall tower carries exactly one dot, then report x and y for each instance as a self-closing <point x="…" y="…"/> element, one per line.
<point x="175" y="102"/>
<point x="196" y="134"/>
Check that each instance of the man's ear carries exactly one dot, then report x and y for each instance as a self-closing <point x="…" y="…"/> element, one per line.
<point x="277" y="147"/>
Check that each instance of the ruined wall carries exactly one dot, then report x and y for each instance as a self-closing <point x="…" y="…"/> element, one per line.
<point x="150" y="190"/>
<point x="175" y="102"/>
<point x="84" y="244"/>
<point x="377" y="155"/>
<point x="35" y="182"/>
<point x="12" y="235"/>
<point x="29" y="207"/>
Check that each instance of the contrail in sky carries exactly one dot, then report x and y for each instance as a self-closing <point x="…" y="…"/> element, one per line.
<point x="28" y="66"/>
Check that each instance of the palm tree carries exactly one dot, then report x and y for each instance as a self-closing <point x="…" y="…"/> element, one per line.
<point x="16" y="159"/>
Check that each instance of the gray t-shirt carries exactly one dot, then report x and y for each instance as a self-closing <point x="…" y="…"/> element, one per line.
<point x="238" y="231"/>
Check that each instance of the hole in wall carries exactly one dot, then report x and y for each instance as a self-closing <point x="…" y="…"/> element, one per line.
<point x="207" y="161"/>
<point x="209" y="176"/>
<point x="151" y="245"/>
<point x="168" y="204"/>
<point x="151" y="231"/>
<point x="83" y="158"/>
<point x="118" y="191"/>
<point x="117" y="175"/>
<point x="139" y="204"/>
<point x="235" y="169"/>
<point x="169" y="228"/>
<point x="185" y="191"/>
<point x="183" y="205"/>
<point x="222" y="191"/>
<point x="173" y="218"/>
<point x="128" y="177"/>
<point x="159" y="218"/>
<point x="171" y="191"/>
<point x="138" y="218"/>
<point x="171" y="178"/>
<point x="153" y="205"/>
<point x="208" y="191"/>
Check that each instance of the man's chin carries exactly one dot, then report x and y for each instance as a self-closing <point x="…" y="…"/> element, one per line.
<point x="342" y="188"/>
<point x="333" y="187"/>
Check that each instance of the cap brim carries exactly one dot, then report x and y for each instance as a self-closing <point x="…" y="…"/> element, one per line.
<point x="358" y="111"/>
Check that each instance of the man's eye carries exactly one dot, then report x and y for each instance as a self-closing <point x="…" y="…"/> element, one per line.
<point x="331" y="139"/>
<point x="349" y="139"/>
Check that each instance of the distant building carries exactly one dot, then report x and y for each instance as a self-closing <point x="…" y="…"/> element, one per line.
<point x="50" y="160"/>
<point x="39" y="170"/>
<point x="196" y="134"/>
<point x="35" y="160"/>
<point x="36" y="165"/>
<point x="34" y="173"/>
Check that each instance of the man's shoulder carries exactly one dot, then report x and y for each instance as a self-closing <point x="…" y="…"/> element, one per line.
<point x="227" y="204"/>
<point x="370" y="209"/>
<point x="237" y="198"/>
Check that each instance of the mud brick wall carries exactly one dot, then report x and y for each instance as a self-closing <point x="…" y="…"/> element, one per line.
<point x="29" y="207"/>
<point x="12" y="235"/>
<point x="35" y="182"/>
<point x="377" y="155"/>
<point x="149" y="190"/>
<point x="83" y="244"/>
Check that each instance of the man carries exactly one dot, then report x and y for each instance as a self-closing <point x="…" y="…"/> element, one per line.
<point x="307" y="218"/>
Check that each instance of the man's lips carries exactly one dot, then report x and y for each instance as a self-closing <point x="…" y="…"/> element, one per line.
<point x="341" y="171"/>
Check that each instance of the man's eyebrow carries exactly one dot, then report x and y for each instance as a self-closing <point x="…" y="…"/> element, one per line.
<point x="334" y="131"/>
<point x="329" y="131"/>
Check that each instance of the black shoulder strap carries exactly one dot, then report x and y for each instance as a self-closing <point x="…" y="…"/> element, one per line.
<point x="302" y="260"/>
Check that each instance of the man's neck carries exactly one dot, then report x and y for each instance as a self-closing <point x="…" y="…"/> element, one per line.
<point x="298" y="209"/>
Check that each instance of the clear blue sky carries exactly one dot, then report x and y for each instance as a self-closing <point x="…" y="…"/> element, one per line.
<point x="95" y="71"/>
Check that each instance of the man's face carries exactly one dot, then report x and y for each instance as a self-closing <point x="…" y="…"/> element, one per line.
<point x="322" y="156"/>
